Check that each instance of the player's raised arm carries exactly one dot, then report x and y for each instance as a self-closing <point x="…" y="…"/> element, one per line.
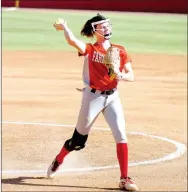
<point x="61" y="25"/>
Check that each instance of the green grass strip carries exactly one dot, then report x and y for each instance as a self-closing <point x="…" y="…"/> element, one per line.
<point x="140" y="33"/>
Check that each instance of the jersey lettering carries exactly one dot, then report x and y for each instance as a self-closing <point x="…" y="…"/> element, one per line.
<point x="97" y="57"/>
<point x="94" y="55"/>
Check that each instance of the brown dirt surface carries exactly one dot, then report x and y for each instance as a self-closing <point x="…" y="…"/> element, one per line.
<point x="41" y="87"/>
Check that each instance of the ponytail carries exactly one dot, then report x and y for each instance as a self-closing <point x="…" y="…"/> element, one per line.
<point x="87" y="29"/>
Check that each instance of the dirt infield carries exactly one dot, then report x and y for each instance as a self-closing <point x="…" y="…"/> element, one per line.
<point x="39" y="87"/>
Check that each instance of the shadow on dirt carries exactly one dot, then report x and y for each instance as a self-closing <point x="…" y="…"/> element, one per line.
<point x="22" y="181"/>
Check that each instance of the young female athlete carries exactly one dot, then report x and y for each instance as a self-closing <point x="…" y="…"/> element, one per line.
<point x="100" y="93"/>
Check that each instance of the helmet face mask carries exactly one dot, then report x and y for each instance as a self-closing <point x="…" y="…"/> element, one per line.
<point x="105" y="28"/>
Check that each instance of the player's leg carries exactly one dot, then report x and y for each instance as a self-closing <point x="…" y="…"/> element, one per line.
<point x="92" y="105"/>
<point x="77" y="142"/>
<point x="114" y="116"/>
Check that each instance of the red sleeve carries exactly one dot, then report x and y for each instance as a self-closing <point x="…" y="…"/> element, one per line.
<point x="88" y="48"/>
<point x="125" y="58"/>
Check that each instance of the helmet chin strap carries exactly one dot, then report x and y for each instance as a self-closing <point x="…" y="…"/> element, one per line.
<point x="107" y="36"/>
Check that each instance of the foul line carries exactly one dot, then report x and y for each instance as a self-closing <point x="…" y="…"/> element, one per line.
<point x="180" y="149"/>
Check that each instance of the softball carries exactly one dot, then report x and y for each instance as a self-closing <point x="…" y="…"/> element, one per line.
<point x="59" y="21"/>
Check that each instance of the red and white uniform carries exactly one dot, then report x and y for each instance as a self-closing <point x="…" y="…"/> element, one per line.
<point x="96" y="76"/>
<point x="95" y="72"/>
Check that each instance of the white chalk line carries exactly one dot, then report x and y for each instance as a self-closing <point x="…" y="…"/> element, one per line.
<point x="180" y="149"/>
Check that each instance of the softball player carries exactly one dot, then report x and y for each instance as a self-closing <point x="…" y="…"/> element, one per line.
<point x="100" y="93"/>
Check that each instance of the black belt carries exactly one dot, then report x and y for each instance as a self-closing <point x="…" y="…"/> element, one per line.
<point x="108" y="92"/>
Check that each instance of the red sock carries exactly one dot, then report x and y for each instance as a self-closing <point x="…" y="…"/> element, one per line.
<point x="122" y="155"/>
<point x="60" y="157"/>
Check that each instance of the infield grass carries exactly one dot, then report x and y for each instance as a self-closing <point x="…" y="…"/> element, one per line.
<point x="30" y="29"/>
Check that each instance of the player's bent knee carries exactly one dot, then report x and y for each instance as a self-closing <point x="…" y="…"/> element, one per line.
<point x="77" y="142"/>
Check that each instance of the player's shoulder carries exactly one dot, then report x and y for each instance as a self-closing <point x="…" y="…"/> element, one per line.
<point x="122" y="48"/>
<point x="90" y="46"/>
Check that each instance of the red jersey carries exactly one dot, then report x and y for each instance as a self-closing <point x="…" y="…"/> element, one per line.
<point x="95" y="73"/>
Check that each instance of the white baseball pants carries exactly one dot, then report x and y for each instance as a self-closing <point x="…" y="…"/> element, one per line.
<point x="110" y="105"/>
